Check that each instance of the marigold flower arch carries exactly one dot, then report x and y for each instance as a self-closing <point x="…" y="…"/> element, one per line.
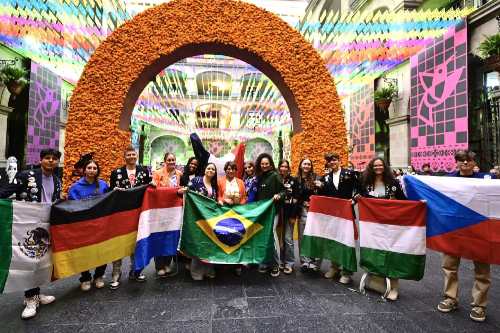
<point x="119" y="70"/>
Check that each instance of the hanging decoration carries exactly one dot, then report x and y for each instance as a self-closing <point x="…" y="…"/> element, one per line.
<point x="360" y="47"/>
<point x="59" y="34"/>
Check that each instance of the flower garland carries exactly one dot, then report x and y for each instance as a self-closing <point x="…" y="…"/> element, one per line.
<point x="123" y="64"/>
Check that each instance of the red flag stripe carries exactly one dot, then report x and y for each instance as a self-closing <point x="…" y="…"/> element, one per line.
<point x="75" y="235"/>
<point x="395" y="212"/>
<point x="479" y="242"/>
<point x="161" y="197"/>
<point x="331" y="206"/>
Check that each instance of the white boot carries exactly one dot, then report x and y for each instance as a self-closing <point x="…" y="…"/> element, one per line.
<point x="46" y="299"/>
<point x="31" y="307"/>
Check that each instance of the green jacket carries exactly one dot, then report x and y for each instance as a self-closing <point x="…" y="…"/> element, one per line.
<point x="269" y="184"/>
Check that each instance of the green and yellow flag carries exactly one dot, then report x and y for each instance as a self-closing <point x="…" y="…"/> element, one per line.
<point x="241" y="234"/>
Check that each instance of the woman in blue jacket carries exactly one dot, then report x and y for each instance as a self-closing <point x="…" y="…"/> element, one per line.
<point x="87" y="187"/>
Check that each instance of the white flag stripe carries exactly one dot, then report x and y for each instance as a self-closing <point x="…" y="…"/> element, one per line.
<point x="28" y="212"/>
<point x="480" y="195"/>
<point x="330" y="227"/>
<point x="159" y="220"/>
<point x="26" y="271"/>
<point x="393" y="238"/>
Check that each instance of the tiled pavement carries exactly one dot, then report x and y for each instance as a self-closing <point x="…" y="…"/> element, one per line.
<point x="252" y="303"/>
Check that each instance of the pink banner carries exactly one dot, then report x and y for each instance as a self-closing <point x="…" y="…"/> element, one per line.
<point x="362" y="127"/>
<point x="438" y="104"/>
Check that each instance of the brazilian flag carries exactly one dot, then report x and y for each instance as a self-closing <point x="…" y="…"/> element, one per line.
<point x="242" y="234"/>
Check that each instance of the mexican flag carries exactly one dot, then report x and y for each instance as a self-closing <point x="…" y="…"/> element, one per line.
<point x="242" y="234"/>
<point x="25" y="254"/>
<point x="330" y="232"/>
<point x="392" y="237"/>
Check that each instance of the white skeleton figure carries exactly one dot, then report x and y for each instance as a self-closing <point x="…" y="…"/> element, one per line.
<point x="11" y="168"/>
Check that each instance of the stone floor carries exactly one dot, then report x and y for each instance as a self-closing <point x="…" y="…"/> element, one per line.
<point x="251" y="303"/>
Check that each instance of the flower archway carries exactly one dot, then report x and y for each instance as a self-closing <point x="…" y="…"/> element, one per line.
<point x="122" y="66"/>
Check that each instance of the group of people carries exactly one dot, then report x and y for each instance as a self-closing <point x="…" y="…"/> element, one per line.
<point x="261" y="181"/>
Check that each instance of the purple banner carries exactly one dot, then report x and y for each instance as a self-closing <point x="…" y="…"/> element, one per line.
<point x="438" y="105"/>
<point x="43" y="112"/>
<point x="362" y="127"/>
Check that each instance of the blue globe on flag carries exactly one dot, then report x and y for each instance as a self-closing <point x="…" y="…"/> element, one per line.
<point x="229" y="231"/>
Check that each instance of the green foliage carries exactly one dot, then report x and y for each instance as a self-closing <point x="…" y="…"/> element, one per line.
<point x="388" y="92"/>
<point x="10" y="74"/>
<point x="490" y="47"/>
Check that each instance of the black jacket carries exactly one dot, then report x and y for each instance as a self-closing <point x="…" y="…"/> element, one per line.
<point x="348" y="185"/>
<point x="291" y="185"/>
<point x="392" y="191"/>
<point x="119" y="177"/>
<point x="28" y="187"/>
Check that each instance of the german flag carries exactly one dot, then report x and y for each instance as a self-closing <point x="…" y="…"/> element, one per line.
<point x="90" y="233"/>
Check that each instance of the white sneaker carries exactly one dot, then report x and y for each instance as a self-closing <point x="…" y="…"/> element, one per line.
<point x="331" y="273"/>
<point x="31" y="306"/>
<point x="168" y="269"/>
<point x="46" y="299"/>
<point x="85" y="286"/>
<point x="345" y="279"/>
<point x="161" y="272"/>
<point x="393" y="295"/>
<point x="99" y="283"/>
<point x="313" y="267"/>
<point x="115" y="281"/>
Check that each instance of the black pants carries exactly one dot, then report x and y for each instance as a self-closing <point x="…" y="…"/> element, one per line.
<point x="99" y="272"/>
<point x="32" y="292"/>
<point x="162" y="262"/>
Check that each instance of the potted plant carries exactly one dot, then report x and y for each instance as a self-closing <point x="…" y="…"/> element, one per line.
<point x="489" y="51"/>
<point x="14" y="78"/>
<point x="384" y="96"/>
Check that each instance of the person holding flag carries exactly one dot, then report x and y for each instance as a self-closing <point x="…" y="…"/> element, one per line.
<point x="450" y="264"/>
<point x="38" y="185"/>
<point x="289" y="214"/>
<point x="250" y="180"/>
<point x="128" y="176"/>
<point x="191" y="170"/>
<point x="308" y="183"/>
<point x="207" y="186"/>
<point x="89" y="186"/>
<point x="231" y="191"/>
<point x="378" y="182"/>
<point x="269" y="186"/>
<point x="338" y="183"/>
<point x="167" y="176"/>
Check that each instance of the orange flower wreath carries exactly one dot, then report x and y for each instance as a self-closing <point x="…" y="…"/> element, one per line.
<point x="133" y="54"/>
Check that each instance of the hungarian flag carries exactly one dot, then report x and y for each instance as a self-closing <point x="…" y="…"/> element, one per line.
<point x="90" y="233"/>
<point x="25" y="256"/>
<point x="159" y="225"/>
<point x="242" y="234"/>
<point x="463" y="215"/>
<point x="330" y="232"/>
<point x="392" y="237"/>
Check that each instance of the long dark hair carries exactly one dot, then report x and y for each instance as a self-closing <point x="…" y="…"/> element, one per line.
<point x="186" y="174"/>
<point x="213" y="181"/>
<point x="307" y="180"/>
<point x="258" y="170"/>
<point x="96" y="181"/>
<point x="368" y="178"/>
<point x="245" y="176"/>
<point x="287" y="164"/>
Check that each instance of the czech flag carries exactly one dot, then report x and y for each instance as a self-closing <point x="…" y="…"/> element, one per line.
<point x="463" y="215"/>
